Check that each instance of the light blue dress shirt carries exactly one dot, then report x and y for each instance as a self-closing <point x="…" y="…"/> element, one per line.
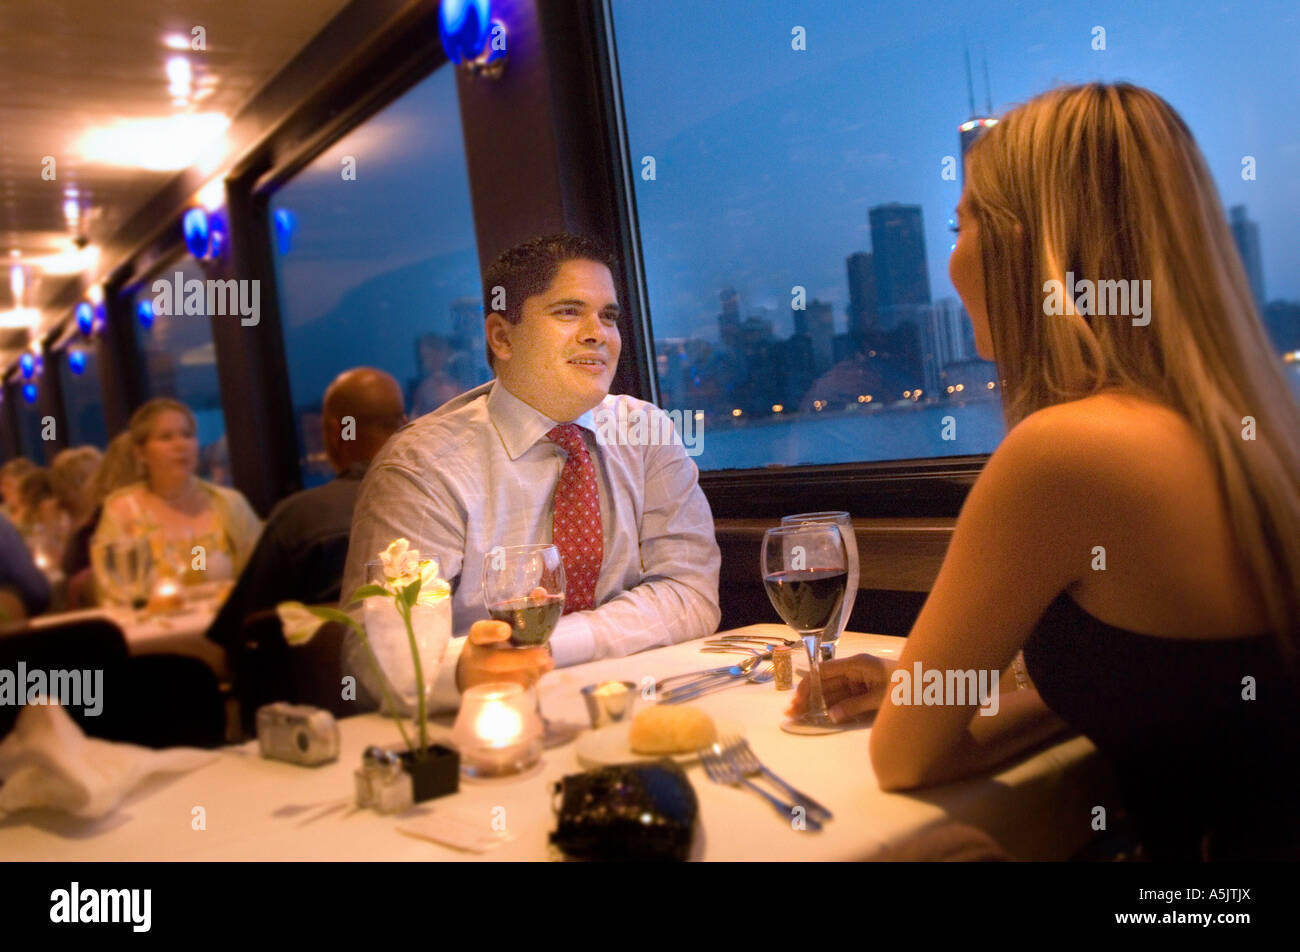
<point x="480" y="472"/>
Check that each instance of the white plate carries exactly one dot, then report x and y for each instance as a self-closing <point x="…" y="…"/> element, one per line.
<point x="609" y="745"/>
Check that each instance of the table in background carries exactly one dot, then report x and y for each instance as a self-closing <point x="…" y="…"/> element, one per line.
<point x="255" y="809"/>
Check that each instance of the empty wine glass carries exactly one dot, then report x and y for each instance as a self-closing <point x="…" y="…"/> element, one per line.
<point x="842" y="519"/>
<point x="805" y="574"/>
<point x="125" y="569"/>
<point x="523" y="586"/>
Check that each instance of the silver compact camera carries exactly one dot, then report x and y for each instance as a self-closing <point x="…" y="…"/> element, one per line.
<point x="297" y="733"/>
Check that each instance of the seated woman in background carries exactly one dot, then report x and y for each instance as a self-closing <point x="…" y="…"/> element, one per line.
<point x="117" y="469"/>
<point x="174" y="509"/>
<point x="1137" y="532"/>
<point x="72" y="474"/>
<point x="41" y="520"/>
<point x="11" y="474"/>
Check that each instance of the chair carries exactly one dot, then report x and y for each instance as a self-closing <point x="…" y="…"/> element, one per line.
<point x="152" y="700"/>
<point x="268" y="669"/>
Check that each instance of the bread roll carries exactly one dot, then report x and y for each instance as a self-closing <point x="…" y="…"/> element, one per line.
<point x="671" y="729"/>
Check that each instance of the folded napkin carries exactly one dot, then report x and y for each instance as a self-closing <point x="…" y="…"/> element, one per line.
<point x="47" y="761"/>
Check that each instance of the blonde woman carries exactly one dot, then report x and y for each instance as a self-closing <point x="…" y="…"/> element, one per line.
<point x="72" y="476"/>
<point x="172" y="507"/>
<point x="1137" y="532"/>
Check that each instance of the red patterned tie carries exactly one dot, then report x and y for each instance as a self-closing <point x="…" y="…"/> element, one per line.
<point x="577" y="527"/>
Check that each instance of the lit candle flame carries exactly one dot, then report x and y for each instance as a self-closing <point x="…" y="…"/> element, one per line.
<point x="498" y="724"/>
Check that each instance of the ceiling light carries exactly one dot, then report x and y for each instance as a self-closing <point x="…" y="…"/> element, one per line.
<point x="213" y="195"/>
<point x="20" y="318"/>
<point x="176" y="41"/>
<point x="64" y="263"/>
<point x="159" y="145"/>
<point x="178" y="71"/>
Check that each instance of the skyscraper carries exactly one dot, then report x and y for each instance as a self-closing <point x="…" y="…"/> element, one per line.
<point x="949" y="329"/>
<point x="729" y="319"/>
<point x="862" y="295"/>
<point x="974" y="127"/>
<point x="1246" y="234"/>
<point x="902" y="278"/>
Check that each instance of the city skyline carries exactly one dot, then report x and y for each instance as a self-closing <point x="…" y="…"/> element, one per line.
<point x="868" y="113"/>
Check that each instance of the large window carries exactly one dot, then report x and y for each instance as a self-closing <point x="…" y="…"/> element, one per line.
<point x="178" y="356"/>
<point x="794" y="214"/>
<point x="376" y="262"/>
<point x="83" y="400"/>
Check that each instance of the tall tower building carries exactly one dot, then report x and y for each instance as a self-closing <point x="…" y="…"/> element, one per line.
<point x="902" y="278"/>
<point x="975" y="126"/>
<point x="949" y="330"/>
<point x="729" y="319"/>
<point x="1245" y="233"/>
<point x="862" y="295"/>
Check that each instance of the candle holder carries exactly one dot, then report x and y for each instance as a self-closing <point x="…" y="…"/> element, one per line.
<point x="497" y="731"/>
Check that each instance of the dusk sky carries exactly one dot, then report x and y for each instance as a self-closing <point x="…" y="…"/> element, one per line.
<point x="768" y="158"/>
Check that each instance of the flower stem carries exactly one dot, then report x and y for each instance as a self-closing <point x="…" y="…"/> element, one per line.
<point x="422" y="719"/>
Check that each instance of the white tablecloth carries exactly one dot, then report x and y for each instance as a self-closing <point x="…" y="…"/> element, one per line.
<point x="255" y="809"/>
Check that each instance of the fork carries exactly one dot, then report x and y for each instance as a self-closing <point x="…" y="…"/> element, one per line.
<point x="761" y="675"/>
<point x="737" y="751"/>
<point x="720" y="771"/>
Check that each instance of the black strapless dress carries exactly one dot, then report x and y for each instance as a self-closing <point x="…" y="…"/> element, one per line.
<point x="1205" y="773"/>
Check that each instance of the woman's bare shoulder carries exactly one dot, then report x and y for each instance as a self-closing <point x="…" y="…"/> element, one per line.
<point x="1115" y="435"/>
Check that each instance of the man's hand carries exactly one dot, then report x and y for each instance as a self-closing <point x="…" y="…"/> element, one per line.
<point x="851" y="686"/>
<point x="481" y="662"/>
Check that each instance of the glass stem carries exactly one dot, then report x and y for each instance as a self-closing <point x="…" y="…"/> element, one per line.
<point x="816" y="702"/>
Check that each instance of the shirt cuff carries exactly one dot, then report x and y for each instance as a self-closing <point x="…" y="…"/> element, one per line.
<point x="445" y="695"/>
<point x="573" y="641"/>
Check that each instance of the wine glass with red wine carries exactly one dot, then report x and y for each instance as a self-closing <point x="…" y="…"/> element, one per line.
<point x="805" y="572"/>
<point x="523" y="586"/>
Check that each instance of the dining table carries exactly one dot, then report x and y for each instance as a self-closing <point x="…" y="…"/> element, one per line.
<point x="1037" y="807"/>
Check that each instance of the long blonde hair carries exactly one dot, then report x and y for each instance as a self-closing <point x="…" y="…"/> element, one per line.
<point x="1106" y="181"/>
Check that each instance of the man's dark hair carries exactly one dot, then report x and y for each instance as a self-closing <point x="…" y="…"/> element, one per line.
<point x="529" y="269"/>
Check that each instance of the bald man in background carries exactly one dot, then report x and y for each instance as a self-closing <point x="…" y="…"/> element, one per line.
<point x="301" y="552"/>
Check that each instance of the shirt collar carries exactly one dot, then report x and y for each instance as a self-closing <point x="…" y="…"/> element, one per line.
<point x="520" y="425"/>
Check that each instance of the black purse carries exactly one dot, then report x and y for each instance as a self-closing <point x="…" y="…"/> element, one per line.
<point x="627" y="812"/>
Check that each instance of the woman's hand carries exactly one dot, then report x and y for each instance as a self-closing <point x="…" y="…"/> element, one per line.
<point x="852" y="686"/>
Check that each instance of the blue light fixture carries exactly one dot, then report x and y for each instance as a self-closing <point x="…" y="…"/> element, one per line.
<point x="144" y="314"/>
<point x="85" y="318"/>
<point x="197" y="233"/>
<point x="286" y="222"/>
<point x="29" y="392"/>
<point x="219" y="232"/>
<point x="466" y="28"/>
<point x="27" y="364"/>
<point x="77" y="362"/>
<point x="463" y="26"/>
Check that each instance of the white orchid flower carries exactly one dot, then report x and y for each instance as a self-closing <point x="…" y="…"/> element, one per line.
<point x="432" y="588"/>
<point x="399" y="559"/>
<point x="298" y="622"/>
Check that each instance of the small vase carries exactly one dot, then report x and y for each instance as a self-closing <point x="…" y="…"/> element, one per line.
<point x="387" y="635"/>
<point x="437" y="775"/>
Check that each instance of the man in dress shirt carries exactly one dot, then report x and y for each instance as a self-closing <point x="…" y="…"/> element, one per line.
<point x="481" y="471"/>
<point x="302" y="548"/>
